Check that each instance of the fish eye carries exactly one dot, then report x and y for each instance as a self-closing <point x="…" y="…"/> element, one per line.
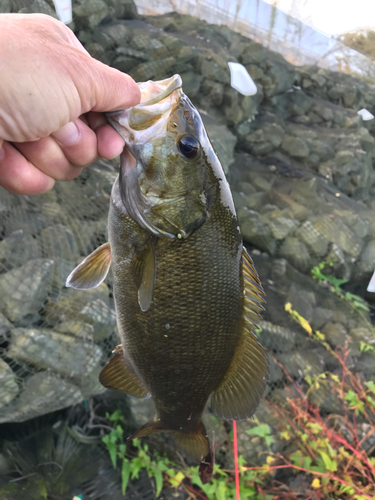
<point x="188" y="146"/>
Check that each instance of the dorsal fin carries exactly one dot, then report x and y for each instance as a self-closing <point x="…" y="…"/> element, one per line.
<point x="118" y="375"/>
<point x="243" y="386"/>
<point x="239" y="394"/>
<point x="253" y="291"/>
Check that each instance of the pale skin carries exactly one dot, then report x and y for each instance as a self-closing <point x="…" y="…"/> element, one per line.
<point x="52" y="98"/>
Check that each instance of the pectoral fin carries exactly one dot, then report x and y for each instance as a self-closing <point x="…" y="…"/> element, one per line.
<point x="92" y="271"/>
<point x="118" y="375"/>
<point x="144" y="271"/>
<point x="240" y="392"/>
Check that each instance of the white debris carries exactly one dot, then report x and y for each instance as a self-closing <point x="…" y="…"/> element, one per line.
<point x="241" y="80"/>
<point x="371" y="285"/>
<point x="64" y="10"/>
<point x="366" y="115"/>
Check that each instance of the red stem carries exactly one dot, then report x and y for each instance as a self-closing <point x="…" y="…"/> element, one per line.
<point x="235" y="449"/>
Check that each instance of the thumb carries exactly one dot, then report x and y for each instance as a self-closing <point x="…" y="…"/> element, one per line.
<point x="106" y="89"/>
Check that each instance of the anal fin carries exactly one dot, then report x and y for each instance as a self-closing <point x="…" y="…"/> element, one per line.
<point x="91" y="271"/>
<point x="117" y="375"/>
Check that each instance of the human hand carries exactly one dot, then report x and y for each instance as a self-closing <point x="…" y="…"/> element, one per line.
<point x="52" y="95"/>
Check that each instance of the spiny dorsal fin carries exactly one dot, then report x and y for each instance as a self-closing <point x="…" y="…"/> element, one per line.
<point x="243" y="386"/>
<point x="117" y="375"/>
<point x="144" y="271"/>
<point x="92" y="271"/>
<point x="253" y="291"/>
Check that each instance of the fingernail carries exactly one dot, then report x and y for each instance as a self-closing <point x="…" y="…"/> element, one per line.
<point x="67" y="135"/>
<point x="2" y="153"/>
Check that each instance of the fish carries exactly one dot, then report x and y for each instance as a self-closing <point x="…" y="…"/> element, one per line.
<point x="186" y="291"/>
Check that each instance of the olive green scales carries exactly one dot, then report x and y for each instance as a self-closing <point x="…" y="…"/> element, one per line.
<point x="185" y="289"/>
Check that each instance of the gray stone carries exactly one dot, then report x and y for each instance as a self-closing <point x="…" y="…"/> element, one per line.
<point x="150" y="46"/>
<point x="42" y="393"/>
<point x="296" y="253"/>
<point x="191" y="83"/>
<point x="61" y="353"/>
<point x="25" y="289"/>
<point x="302" y="301"/>
<point x="336" y="334"/>
<point x="8" y="384"/>
<point x="123" y="9"/>
<point x="326" y="398"/>
<point x="151" y="71"/>
<point x="91" y="12"/>
<point x="103" y="319"/>
<point x="275" y="337"/>
<point x="368" y="257"/>
<point x="216" y="69"/>
<point x="5" y="327"/>
<point x="302" y="363"/>
<point x="362" y="334"/>
<point x="320" y="317"/>
<point x="281" y="227"/>
<point x="255" y="232"/>
<point x="98" y="52"/>
<point x="213" y="93"/>
<point x="77" y="328"/>
<point x="222" y="140"/>
<point x="295" y="147"/>
<point x="338" y="233"/>
<point x="316" y="242"/>
<point x="253" y="53"/>
<point x="17" y="249"/>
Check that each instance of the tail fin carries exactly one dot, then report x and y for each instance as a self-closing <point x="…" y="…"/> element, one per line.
<point x="195" y="443"/>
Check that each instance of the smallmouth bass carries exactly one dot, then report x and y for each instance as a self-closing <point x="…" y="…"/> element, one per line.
<point x="185" y="288"/>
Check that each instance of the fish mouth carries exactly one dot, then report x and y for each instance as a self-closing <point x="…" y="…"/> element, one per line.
<point x="148" y="121"/>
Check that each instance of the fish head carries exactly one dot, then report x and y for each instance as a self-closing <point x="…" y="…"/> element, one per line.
<point x="163" y="175"/>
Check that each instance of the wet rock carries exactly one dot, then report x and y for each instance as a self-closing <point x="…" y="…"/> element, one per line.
<point x="320" y="317"/>
<point x="8" y="384"/>
<point x="255" y="232"/>
<point x="17" y="249"/>
<point x="302" y="301"/>
<point x="326" y="398"/>
<point x="103" y="318"/>
<point x="316" y="242"/>
<point x="47" y="349"/>
<point x="90" y="13"/>
<point x="336" y="334"/>
<point x="295" y="147"/>
<point x="275" y="337"/>
<point x="77" y="328"/>
<point x="367" y="259"/>
<point x="222" y="140"/>
<point x="281" y="227"/>
<point x="5" y="327"/>
<point x="296" y="253"/>
<point x="362" y="334"/>
<point x="43" y="393"/>
<point x="25" y="289"/>
<point x="151" y="71"/>
<point x="191" y="83"/>
<point x="338" y="233"/>
<point x="123" y="9"/>
<point x="302" y="363"/>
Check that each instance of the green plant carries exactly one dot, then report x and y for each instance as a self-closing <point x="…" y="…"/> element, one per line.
<point x="336" y="283"/>
<point x="164" y="472"/>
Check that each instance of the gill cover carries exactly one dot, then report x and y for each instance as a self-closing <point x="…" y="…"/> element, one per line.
<point x="161" y="180"/>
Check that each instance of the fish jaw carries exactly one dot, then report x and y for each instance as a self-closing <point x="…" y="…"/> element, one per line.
<point x="147" y="122"/>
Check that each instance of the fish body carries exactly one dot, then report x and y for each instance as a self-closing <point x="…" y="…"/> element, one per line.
<point x="185" y="289"/>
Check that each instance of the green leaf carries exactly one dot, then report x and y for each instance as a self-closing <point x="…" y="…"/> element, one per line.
<point x="125" y="474"/>
<point x="330" y="465"/>
<point x="261" y="430"/>
<point x="116" y="415"/>
<point x="158" y="475"/>
<point x="371" y="385"/>
<point x="111" y="448"/>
